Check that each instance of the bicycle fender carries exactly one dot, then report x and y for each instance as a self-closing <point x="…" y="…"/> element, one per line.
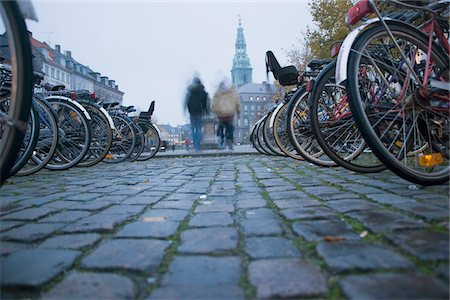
<point x="157" y="129"/>
<point x="272" y="117"/>
<point x="344" y="51"/>
<point x="85" y="112"/>
<point x="27" y="10"/>
<point x="108" y="117"/>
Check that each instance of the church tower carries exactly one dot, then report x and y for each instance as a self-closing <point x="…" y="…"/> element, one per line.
<point x="241" y="72"/>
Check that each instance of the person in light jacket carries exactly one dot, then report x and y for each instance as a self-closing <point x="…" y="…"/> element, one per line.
<point x="226" y="103"/>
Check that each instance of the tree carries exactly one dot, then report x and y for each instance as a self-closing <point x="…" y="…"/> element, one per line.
<point x="329" y="27"/>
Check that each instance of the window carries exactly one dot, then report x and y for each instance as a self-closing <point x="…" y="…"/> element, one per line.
<point x="252" y="107"/>
<point x="258" y="107"/>
<point x="264" y="98"/>
<point x="257" y="98"/>
<point x="57" y="74"/>
<point x="245" y="107"/>
<point x="239" y="122"/>
<point x="245" y="122"/>
<point x="53" y="72"/>
<point x="251" y="98"/>
<point x="47" y="70"/>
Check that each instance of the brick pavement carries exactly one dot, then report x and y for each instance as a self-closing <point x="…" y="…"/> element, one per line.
<point x="230" y="227"/>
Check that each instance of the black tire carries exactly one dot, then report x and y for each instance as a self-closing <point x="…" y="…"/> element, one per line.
<point x="101" y="136"/>
<point x="140" y="143"/>
<point x="268" y="136"/>
<point x="124" y="139"/>
<point x="300" y="133"/>
<point x="29" y="142"/>
<point x="152" y="140"/>
<point x="260" y="137"/>
<point x="334" y="127"/>
<point x="20" y="94"/>
<point x="253" y="140"/>
<point x="47" y="141"/>
<point x="400" y="126"/>
<point x="75" y="133"/>
<point x="281" y="135"/>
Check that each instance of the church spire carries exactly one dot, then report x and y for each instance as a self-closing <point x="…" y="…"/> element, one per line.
<point x="241" y="72"/>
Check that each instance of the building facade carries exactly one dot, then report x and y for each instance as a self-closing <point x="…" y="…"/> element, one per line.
<point x="241" y="71"/>
<point x="256" y="98"/>
<point x="60" y="68"/>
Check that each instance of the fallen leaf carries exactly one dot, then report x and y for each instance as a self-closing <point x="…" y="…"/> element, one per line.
<point x="330" y="238"/>
<point x="363" y="234"/>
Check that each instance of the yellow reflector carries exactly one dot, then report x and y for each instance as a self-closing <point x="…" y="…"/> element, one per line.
<point x="108" y="156"/>
<point x="73" y="114"/>
<point x="431" y="160"/>
<point x="398" y="144"/>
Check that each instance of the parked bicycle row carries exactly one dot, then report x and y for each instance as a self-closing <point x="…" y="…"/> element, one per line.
<point x="71" y="128"/>
<point x="383" y="103"/>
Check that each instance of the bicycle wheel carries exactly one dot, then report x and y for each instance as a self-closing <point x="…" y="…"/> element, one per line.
<point x="140" y="143"/>
<point x="300" y="133"/>
<point x="29" y="142"/>
<point x="268" y="135"/>
<point x="16" y="86"/>
<point x="47" y="141"/>
<point x="74" y="133"/>
<point x="280" y="133"/>
<point x="253" y="138"/>
<point x="260" y="137"/>
<point x="152" y="140"/>
<point x="124" y="140"/>
<point x="101" y="135"/>
<point x="334" y="128"/>
<point x="405" y="124"/>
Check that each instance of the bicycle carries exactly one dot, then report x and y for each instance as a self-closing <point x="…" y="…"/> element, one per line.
<point x="398" y="84"/>
<point x="15" y="90"/>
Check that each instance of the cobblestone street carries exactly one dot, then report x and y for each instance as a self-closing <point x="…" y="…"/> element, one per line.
<point x="230" y="227"/>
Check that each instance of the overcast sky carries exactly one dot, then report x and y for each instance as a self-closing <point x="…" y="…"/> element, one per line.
<point x="153" y="48"/>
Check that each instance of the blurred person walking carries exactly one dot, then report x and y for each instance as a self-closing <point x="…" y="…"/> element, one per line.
<point x="226" y="104"/>
<point x="196" y="102"/>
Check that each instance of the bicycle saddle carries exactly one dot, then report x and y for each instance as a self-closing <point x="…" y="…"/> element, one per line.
<point x="285" y="75"/>
<point x="318" y="63"/>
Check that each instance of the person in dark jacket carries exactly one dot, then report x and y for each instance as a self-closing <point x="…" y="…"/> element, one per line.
<point x="196" y="102"/>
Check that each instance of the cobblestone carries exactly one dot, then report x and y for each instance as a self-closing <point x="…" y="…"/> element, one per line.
<point x="232" y="227"/>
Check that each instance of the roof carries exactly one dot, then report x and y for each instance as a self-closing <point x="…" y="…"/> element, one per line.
<point x="253" y="88"/>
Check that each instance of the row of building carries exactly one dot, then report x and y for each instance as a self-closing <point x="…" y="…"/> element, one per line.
<point x="60" y="68"/>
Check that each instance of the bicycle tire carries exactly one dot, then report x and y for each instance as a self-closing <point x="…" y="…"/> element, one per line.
<point x="260" y="137"/>
<point x="268" y="135"/>
<point x="140" y="143"/>
<point x="336" y="131"/>
<point x="47" y="141"/>
<point x="13" y="121"/>
<point x="299" y="130"/>
<point x="74" y="130"/>
<point x="253" y="138"/>
<point x="401" y="142"/>
<point x="124" y="140"/>
<point x="152" y="141"/>
<point x="281" y="134"/>
<point x="29" y="142"/>
<point x="101" y="135"/>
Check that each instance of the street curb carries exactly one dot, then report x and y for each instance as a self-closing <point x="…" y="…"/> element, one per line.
<point x="206" y="154"/>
